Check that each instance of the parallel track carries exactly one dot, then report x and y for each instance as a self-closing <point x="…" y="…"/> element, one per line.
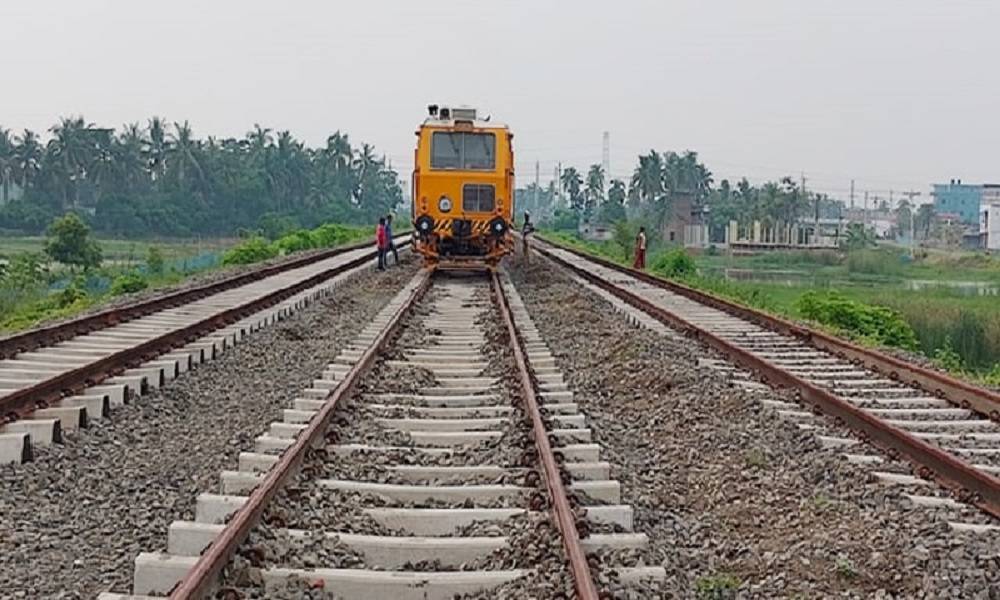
<point x="59" y="375"/>
<point x="944" y="427"/>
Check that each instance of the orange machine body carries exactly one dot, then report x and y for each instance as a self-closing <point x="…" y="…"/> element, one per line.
<point x="463" y="189"/>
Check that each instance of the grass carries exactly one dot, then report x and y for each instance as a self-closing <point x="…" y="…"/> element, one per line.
<point x="130" y="266"/>
<point x="125" y="251"/>
<point x="721" y="586"/>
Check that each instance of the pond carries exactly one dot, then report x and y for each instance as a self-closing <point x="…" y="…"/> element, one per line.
<point x="796" y="278"/>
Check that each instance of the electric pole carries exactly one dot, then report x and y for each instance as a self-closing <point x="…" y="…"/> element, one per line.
<point x="537" y="179"/>
<point x="852" y="194"/>
<point x="606" y="155"/>
<point x="910" y="195"/>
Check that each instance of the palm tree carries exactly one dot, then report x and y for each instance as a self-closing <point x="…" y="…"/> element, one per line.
<point x="595" y="188"/>
<point x="28" y="155"/>
<point x="130" y="158"/>
<point x="72" y="152"/>
<point x="925" y="218"/>
<point x="647" y="179"/>
<point x="616" y="192"/>
<point x="8" y="158"/>
<point x="157" y="148"/>
<point x="185" y="149"/>
<point x="571" y="184"/>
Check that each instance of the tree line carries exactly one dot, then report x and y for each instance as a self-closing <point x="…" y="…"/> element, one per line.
<point x="160" y="178"/>
<point x="661" y="179"/>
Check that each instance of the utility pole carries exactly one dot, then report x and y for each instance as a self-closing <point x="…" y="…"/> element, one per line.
<point x="864" y="215"/>
<point x="852" y="194"/>
<point x="910" y="195"/>
<point x="606" y="155"/>
<point x="537" y="179"/>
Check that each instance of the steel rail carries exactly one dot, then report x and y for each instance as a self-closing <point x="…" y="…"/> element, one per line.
<point x="23" y="401"/>
<point x="562" y="511"/>
<point x="963" y="394"/>
<point x="204" y="575"/>
<point x="970" y="484"/>
<point x="47" y="335"/>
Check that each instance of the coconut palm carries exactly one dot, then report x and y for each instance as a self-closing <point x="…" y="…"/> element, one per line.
<point x="647" y="180"/>
<point x="184" y="148"/>
<point x="8" y="158"/>
<point x="595" y="188"/>
<point x="28" y="155"/>
<point x="571" y="184"/>
<point x="616" y="192"/>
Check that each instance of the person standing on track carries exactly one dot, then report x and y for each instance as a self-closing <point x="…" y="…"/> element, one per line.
<point x="526" y="229"/>
<point x="380" y="243"/>
<point x="640" y="250"/>
<point x="389" y="244"/>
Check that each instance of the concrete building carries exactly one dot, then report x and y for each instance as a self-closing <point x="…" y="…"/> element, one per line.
<point x="959" y="198"/>
<point x="989" y="226"/>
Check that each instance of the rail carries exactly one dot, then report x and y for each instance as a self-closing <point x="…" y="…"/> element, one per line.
<point x="970" y="484"/>
<point x="204" y="575"/>
<point x="22" y="401"/>
<point x="960" y="393"/>
<point x="562" y="511"/>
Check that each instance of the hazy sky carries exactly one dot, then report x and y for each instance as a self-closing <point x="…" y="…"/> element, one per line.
<point x="894" y="93"/>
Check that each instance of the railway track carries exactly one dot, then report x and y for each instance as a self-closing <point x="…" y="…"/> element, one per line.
<point x="56" y="378"/>
<point x="934" y="431"/>
<point x="441" y="455"/>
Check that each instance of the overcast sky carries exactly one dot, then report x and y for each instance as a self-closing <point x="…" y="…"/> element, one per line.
<point x="893" y="93"/>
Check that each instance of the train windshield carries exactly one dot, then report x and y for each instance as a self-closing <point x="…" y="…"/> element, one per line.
<point x="459" y="150"/>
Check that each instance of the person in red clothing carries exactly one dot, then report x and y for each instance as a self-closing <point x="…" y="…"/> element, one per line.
<point x="640" y="250"/>
<point x="381" y="242"/>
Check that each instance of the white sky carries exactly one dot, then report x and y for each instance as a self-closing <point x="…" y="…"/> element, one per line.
<point x="894" y="93"/>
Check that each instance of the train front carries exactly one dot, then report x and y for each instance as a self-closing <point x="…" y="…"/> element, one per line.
<point x="463" y="188"/>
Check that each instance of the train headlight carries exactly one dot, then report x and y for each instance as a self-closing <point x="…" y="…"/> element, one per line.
<point x="498" y="226"/>
<point x="444" y="204"/>
<point x="425" y="225"/>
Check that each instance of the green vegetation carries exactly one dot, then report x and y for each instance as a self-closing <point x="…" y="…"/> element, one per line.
<point x="69" y="243"/>
<point x="845" y="568"/>
<point x="877" y="325"/>
<point x="31" y="291"/>
<point x="159" y="179"/>
<point x="257" y="248"/>
<point x="717" y="587"/>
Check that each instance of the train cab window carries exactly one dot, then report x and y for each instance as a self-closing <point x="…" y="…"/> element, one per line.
<point x="478" y="198"/>
<point x="460" y="150"/>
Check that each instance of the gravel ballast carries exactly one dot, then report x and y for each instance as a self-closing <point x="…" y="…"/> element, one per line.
<point x="73" y="521"/>
<point x="736" y="501"/>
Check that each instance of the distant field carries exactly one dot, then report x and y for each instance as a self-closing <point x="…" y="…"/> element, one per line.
<point x="125" y="251"/>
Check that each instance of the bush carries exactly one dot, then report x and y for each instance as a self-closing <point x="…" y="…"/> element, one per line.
<point x="878" y="324"/>
<point x="253" y="250"/>
<point x="295" y="242"/>
<point x="69" y="243"/>
<point x="947" y="358"/>
<point x="717" y="587"/>
<point x="154" y="260"/>
<point x="129" y="283"/>
<point x="674" y="263"/>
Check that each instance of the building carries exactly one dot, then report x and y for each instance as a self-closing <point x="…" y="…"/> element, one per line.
<point x="959" y="198"/>
<point x="989" y="226"/>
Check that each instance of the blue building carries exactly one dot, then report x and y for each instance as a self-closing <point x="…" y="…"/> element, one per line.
<point x="960" y="199"/>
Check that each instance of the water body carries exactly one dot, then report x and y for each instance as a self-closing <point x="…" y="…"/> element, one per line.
<point x="794" y="278"/>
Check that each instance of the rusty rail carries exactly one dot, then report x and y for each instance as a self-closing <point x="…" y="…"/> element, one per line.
<point x="562" y="511"/>
<point x="204" y="575"/>
<point x="970" y="484"/>
<point x="961" y="393"/>
<point x="21" y="402"/>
